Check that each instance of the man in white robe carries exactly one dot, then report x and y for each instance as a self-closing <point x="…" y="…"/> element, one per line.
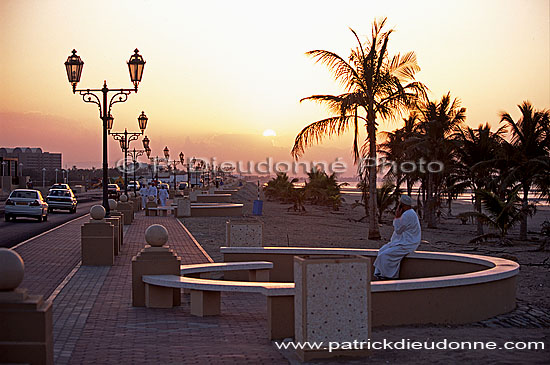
<point x="405" y="239"/>
<point x="144" y="191"/>
<point x="153" y="192"/>
<point x="163" y="195"/>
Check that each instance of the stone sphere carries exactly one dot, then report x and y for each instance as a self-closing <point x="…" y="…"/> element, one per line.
<point x="131" y="194"/>
<point x="97" y="212"/>
<point x="12" y="269"/>
<point x="123" y="198"/>
<point x="112" y="204"/>
<point x="150" y="198"/>
<point x="156" y="235"/>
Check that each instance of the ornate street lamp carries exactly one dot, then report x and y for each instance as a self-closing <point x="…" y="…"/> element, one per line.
<point x="174" y="164"/>
<point x="135" y="154"/>
<point x="125" y="138"/>
<point x="142" y="122"/>
<point x="74" y="66"/>
<point x="135" y="66"/>
<point x="109" y="122"/>
<point x="145" y="142"/>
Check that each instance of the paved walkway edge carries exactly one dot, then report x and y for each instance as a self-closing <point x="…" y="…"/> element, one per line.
<point x="195" y="242"/>
<point x="64" y="282"/>
<point x="48" y="231"/>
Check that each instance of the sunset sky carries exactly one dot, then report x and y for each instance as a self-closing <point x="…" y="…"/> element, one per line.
<point x="220" y="73"/>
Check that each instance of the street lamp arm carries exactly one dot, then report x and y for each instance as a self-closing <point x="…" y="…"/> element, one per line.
<point x="134" y="154"/>
<point x="122" y="97"/>
<point x="89" y="97"/>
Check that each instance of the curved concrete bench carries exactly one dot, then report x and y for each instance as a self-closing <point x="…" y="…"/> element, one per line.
<point x="257" y="270"/>
<point x="197" y="284"/>
<point x="216" y="210"/>
<point x="213" y="198"/>
<point x="438" y="287"/>
<point x="205" y="293"/>
<point x="163" y="210"/>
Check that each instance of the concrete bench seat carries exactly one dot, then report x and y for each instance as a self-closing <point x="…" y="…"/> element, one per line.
<point x="206" y="293"/>
<point x="257" y="270"/>
<point x="269" y="289"/>
<point x="162" y="210"/>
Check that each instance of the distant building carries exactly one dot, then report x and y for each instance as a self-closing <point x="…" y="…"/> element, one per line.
<point x="28" y="159"/>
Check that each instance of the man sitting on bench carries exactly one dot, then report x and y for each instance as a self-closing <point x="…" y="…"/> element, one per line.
<point x="405" y="239"/>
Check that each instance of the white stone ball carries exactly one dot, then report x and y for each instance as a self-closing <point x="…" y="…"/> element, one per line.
<point x="150" y="198"/>
<point x="97" y="212"/>
<point x="131" y="194"/>
<point x="112" y="204"/>
<point x="12" y="269"/>
<point x="156" y="235"/>
<point x="124" y="198"/>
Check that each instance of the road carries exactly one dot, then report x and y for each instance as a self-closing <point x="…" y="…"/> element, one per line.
<point x="12" y="233"/>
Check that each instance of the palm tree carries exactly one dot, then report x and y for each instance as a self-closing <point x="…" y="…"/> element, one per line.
<point x="502" y="214"/>
<point x="396" y="148"/>
<point x="477" y="151"/>
<point x="529" y="152"/>
<point x="377" y="85"/>
<point x="386" y="195"/>
<point x="280" y="187"/>
<point x="438" y="120"/>
<point x="323" y="189"/>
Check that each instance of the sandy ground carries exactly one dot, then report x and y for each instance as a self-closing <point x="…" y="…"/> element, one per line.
<point x="319" y="227"/>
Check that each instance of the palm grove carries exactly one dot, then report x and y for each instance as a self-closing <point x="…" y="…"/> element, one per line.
<point x="500" y="167"/>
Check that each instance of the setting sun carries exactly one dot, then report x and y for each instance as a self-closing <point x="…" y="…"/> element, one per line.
<point x="269" y="133"/>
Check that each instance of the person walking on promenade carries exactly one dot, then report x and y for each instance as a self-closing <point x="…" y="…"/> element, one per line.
<point x="153" y="192"/>
<point x="163" y="195"/>
<point x="143" y="192"/>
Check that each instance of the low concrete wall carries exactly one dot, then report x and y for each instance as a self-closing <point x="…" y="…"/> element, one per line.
<point x="435" y="288"/>
<point x="216" y="210"/>
<point x="213" y="198"/>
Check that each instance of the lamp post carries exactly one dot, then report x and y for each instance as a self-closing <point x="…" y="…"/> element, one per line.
<point x="4" y="163"/>
<point x="136" y="153"/>
<point x="74" y="65"/>
<point x="43" y="177"/>
<point x="174" y="163"/>
<point x="125" y="138"/>
<point x="56" y="170"/>
<point x="154" y="171"/>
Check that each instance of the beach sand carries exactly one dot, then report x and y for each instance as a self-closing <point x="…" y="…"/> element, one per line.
<point x="320" y="227"/>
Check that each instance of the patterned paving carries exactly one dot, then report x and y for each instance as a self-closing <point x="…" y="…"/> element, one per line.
<point x="94" y="322"/>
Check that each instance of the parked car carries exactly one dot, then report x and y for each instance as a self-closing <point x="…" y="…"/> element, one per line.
<point x="182" y="186"/>
<point x="133" y="184"/>
<point x="26" y="203"/>
<point x="60" y="186"/>
<point x="113" y="191"/>
<point x="61" y="199"/>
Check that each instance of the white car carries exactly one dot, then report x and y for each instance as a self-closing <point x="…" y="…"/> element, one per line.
<point x="26" y="203"/>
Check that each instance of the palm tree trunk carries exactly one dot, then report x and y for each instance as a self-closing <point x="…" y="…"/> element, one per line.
<point x="523" y="223"/>
<point x="409" y="187"/>
<point x="374" y="230"/>
<point x="430" y="203"/>
<point x="449" y="204"/>
<point x="478" y="209"/>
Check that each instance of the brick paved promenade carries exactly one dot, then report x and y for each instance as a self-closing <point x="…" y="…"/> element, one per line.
<point x="94" y="322"/>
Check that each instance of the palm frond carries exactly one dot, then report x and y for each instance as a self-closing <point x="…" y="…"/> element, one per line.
<point x="315" y="132"/>
<point x="343" y="72"/>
